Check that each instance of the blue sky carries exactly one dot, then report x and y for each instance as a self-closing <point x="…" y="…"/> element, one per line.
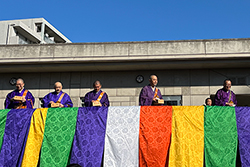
<point x="137" y="20"/>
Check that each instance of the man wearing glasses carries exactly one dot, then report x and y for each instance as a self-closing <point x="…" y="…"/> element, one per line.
<point x="225" y="96"/>
<point x="19" y="98"/>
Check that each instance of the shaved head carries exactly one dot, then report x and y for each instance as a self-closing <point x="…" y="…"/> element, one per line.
<point x="58" y="84"/>
<point x="20" y="80"/>
<point x="19" y="84"/>
<point x="97" y="86"/>
<point x="97" y="83"/>
<point x="153" y="80"/>
<point x="58" y="87"/>
<point x="227" y="84"/>
<point x="152" y="76"/>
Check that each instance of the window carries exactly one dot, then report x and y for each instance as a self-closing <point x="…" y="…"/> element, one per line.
<point x="40" y="103"/>
<point x="23" y="40"/>
<point x="82" y="101"/>
<point x="38" y="27"/>
<point x="172" y="100"/>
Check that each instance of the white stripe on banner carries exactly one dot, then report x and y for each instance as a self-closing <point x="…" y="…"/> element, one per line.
<point x="122" y="137"/>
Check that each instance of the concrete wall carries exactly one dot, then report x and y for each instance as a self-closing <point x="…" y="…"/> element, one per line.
<point x="117" y="56"/>
<point x="123" y="90"/>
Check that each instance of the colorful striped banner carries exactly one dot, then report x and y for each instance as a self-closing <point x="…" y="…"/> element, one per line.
<point x="187" y="142"/>
<point x="122" y="135"/>
<point x="220" y="136"/>
<point x="35" y="138"/>
<point x="88" y="142"/>
<point x="154" y="138"/>
<point x="3" y="116"/>
<point x="133" y="136"/>
<point x="15" y="136"/>
<point x="243" y="128"/>
<point x="58" y="136"/>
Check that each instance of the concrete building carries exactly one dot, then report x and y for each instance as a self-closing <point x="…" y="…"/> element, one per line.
<point x="189" y="71"/>
<point x="30" y="31"/>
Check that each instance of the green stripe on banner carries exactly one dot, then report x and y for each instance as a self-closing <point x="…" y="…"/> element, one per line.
<point x="58" y="136"/>
<point x="220" y="136"/>
<point x="3" y="117"/>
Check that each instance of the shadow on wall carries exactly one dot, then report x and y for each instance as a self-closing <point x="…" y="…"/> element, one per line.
<point x="127" y="79"/>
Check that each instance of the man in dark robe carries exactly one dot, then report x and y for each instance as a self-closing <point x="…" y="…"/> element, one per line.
<point x="26" y="99"/>
<point x="150" y="94"/>
<point x="58" y="96"/>
<point x="225" y="96"/>
<point x="96" y="95"/>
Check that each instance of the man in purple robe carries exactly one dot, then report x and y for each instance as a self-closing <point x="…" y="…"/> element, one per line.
<point x="58" y="96"/>
<point x="150" y="94"/>
<point x="96" y="95"/>
<point x="224" y="96"/>
<point x="26" y="98"/>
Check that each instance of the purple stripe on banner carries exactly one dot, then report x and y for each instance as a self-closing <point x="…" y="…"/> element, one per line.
<point x="89" y="137"/>
<point x="243" y="127"/>
<point x="15" y="136"/>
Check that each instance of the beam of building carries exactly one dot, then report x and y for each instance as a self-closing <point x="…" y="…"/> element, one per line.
<point x="110" y="56"/>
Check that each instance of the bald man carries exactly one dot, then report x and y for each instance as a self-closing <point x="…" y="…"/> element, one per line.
<point x="96" y="96"/>
<point x="225" y="96"/>
<point x="58" y="96"/>
<point x="19" y="98"/>
<point x="150" y="94"/>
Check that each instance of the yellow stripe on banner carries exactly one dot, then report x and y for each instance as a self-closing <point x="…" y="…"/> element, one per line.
<point x="35" y="138"/>
<point x="187" y="142"/>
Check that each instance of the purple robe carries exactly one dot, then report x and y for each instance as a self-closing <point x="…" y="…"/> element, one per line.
<point x="147" y="95"/>
<point x="66" y="101"/>
<point x="11" y="104"/>
<point x="94" y="96"/>
<point x="222" y="96"/>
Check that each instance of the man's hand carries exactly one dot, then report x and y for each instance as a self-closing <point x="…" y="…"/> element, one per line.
<point x="23" y="99"/>
<point x="51" y="102"/>
<point x="229" y="104"/>
<point x="61" y="105"/>
<point x="154" y="99"/>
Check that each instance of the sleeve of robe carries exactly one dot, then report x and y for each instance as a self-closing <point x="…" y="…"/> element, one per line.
<point x="144" y="99"/>
<point x="234" y="99"/>
<point x="159" y="94"/>
<point x="30" y="101"/>
<point x="66" y="101"/>
<point x="7" y="102"/>
<point x="105" y="100"/>
<point x="218" y="100"/>
<point x="46" y="101"/>
<point x="87" y="100"/>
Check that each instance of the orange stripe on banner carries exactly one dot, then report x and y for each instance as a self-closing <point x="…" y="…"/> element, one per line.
<point x="154" y="137"/>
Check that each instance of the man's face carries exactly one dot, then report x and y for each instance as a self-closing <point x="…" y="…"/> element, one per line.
<point x="153" y="81"/>
<point x="227" y="85"/>
<point x="19" y="85"/>
<point x="97" y="87"/>
<point x="209" y="102"/>
<point x="58" y="88"/>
